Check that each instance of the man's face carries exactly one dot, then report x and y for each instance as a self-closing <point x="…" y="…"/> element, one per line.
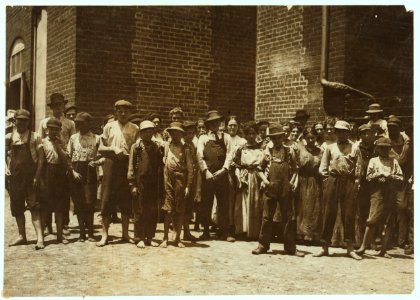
<point x="122" y="113"/>
<point x="176" y="117"/>
<point x="214" y="125"/>
<point x="319" y="130"/>
<point x="71" y="114"/>
<point x="201" y="128"/>
<point x="57" y="109"/>
<point x="393" y="130"/>
<point x="342" y="134"/>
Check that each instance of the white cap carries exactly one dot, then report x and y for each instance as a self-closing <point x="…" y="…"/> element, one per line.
<point x="146" y="124"/>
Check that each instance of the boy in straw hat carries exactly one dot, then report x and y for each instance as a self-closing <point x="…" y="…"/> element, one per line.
<point x="115" y="145"/>
<point x="385" y="176"/>
<point x="144" y="173"/>
<point x="278" y="171"/>
<point x="338" y="169"/>
<point x="178" y="179"/>
<point x="23" y="174"/>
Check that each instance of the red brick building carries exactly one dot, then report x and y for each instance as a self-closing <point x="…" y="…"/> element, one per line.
<point x="255" y="62"/>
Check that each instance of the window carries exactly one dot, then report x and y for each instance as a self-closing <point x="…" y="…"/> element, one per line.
<point x="16" y="58"/>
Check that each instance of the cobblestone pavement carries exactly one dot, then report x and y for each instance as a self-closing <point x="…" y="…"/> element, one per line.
<point x="205" y="268"/>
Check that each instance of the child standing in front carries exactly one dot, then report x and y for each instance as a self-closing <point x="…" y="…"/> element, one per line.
<point x="178" y="179"/>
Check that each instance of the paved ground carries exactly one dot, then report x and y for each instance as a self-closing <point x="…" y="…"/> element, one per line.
<point x="207" y="268"/>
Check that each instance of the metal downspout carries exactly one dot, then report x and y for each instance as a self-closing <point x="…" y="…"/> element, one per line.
<point x="324" y="60"/>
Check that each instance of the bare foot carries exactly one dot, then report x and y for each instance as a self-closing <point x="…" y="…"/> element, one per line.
<point x="127" y="239"/>
<point x="383" y="254"/>
<point x="360" y="251"/>
<point x="39" y="245"/>
<point x="299" y="253"/>
<point x="63" y="241"/>
<point x="141" y="245"/>
<point x="354" y="255"/>
<point x="153" y="243"/>
<point x="180" y="244"/>
<point x="164" y="244"/>
<point x="102" y="242"/>
<point x="323" y="252"/>
<point x="19" y="241"/>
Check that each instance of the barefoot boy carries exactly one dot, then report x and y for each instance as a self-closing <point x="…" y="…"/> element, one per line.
<point x="178" y="178"/>
<point x="385" y="177"/>
<point x="24" y="176"/>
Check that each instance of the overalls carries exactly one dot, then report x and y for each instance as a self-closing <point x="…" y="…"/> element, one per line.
<point x="215" y="156"/>
<point x="22" y="169"/>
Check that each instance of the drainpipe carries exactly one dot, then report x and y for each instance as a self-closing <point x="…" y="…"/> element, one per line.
<point x="35" y="28"/>
<point x="324" y="60"/>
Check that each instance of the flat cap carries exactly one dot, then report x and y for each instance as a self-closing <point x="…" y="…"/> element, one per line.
<point x="383" y="141"/>
<point x="341" y="124"/>
<point x="54" y="122"/>
<point x="365" y="127"/>
<point x="83" y="117"/>
<point x="22" y="114"/>
<point x="123" y="102"/>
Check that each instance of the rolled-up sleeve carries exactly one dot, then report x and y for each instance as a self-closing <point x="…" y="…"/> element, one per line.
<point x="130" y="172"/>
<point x="202" y="141"/>
<point x="323" y="167"/>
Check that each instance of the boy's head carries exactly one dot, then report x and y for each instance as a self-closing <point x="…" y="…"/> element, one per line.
<point x="176" y="131"/>
<point x="276" y="134"/>
<point x="22" y="119"/>
<point x="71" y="112"/>
<point x="147" y="128"/>
<point x="366" y="133"/>
<point x="394" y="126"/>
<point x="190" y="130"/>
<point x="53" y="128"/>
<point x="123" y="111"/>
<point x="83" y="122"/>
<point x="342" y="130"/>
<point x="383" y="146"/>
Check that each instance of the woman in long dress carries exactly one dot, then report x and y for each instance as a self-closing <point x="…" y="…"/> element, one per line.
<point x="309" y="202"/>
<point x="246" y="160"/>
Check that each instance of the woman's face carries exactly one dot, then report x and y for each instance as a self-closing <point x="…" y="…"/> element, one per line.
<point x="286" y="129"/>
<point x="310" y="139"/>
<point x="251" y="136"/>
<point x="294" y="134"/>
<point x="262" y="130"/>
<point x="232" y="128"/>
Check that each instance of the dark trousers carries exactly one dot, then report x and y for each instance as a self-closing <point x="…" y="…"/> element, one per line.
<point x="403" y="213"/>
<point x="339" y="189"/>
<point x="145" y="218"/>
<point x="278" y="192"/>
<point x="219" y="188"/>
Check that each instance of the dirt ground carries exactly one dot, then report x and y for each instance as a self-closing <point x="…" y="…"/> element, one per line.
<point x="205" y="268"/>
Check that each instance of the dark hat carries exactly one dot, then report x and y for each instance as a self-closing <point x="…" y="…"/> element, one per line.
<point x="374" y="108"/>
<point x="263" y="122"/>
<point x="175" y="126"/>
<point x="22" y="114"/>
<point x="189" y="124"/>
<point x="135" y="118"/>
<point x="176" y="110"/>
<point x="213" y="115"/>
<point x="301" y="114"/>
<point x="123" y="102"/>
<point x="364" y="127"/>
<point x="275" y="129"/>
<point x="56" y="98"/>
<point x="54" y="122"/>
<point x="394" y="121"/>
<point x="383" y="141"/>
<point x="83" y="117"/>
<point x="340" y="124"/>
<point x="73" y="107"/>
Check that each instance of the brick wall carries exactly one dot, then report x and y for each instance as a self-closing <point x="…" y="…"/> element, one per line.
<point x="61" y="52"/>
<point x="19" y="25"/>
<point x="161" y="57"/>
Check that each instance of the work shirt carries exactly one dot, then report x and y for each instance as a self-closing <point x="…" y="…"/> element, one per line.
<point x="52" y="152"/>
<point x="338" y="159"/>
<point x="120" y="137"/>
<point x="15" y="138"/>
<point x="83" y="147"/>
<point x="383" y="166"/>
<point x="67" y="129"/>
<point x="203" y="140"/>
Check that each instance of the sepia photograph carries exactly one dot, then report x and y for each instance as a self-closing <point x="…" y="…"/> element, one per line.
<point x="208" y="150"/>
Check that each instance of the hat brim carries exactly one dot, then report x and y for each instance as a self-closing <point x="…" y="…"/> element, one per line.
<point x="277" y="133"/>
<point x="148" y="127"/>
<point x="213" y="119"/>
<point x="22" y="118"/>
<point x="374" y="111"/>
<point x="175" y="129"/>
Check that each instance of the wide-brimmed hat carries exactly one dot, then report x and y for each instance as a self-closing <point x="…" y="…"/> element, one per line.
<point x="189" y="124"/>
<point x="146" y="125"/>
<point x="275" y="129"/>
<point x="365" y="127"/>
<point x="341" y="124"/>
<point x="22" y="114"/>
<point x="213" y="115"/>
<point x="175" y="126"/>
<point x="83" y="117"/>
<point x="383" y="141"/>
<point x="56" y="98"/>
<point x="54" y="122"/>
<point x="374" y="108"/>
<point x="123" y="102"/>
<point x="301" y="114"/>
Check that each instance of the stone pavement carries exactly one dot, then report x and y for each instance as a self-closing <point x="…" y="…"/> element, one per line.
<point x="205" y="268"/>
